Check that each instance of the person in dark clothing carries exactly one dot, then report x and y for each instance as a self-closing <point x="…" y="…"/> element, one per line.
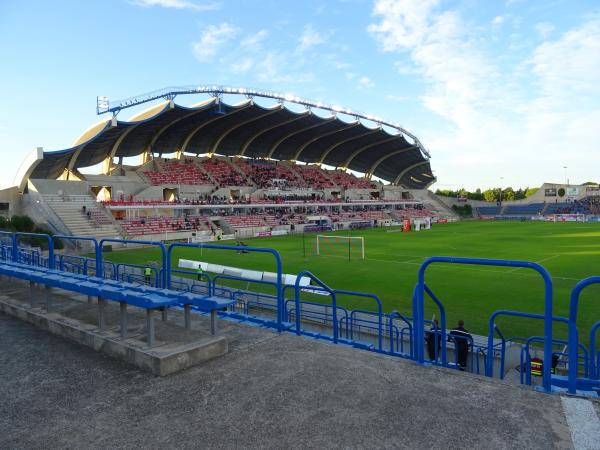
<point x="462" y="339"/>
<point x="432" y="337"/>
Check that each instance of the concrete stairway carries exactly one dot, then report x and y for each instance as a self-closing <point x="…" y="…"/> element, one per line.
<point x="69" y="209"/>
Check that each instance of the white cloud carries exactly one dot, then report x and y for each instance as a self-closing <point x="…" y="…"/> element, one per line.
<point x="544" y="29"/>
<point x="397" y="98"/>
<point x="212" y="39"/>
<point x="255" y="40"/>
<point x="495" y="125"/>
<point x="309" y="38"/>
<point x="497" y="21"/>
<point x="178" y="4"/>
<point x="243" y="65"/>
<point x="365" y="83"/>
<point x="570" y="66"/>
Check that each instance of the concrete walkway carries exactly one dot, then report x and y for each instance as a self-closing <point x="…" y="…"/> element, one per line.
<point x="279" y="391"/>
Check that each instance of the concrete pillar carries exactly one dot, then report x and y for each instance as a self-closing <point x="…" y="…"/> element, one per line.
<point x="150" y="327"/>
<point x="101" y="313"/>
<point x="123" y="311"/>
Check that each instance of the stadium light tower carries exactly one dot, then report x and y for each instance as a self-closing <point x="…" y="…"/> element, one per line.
<point x="501" y="179"/>
<point x="566" y="180"/>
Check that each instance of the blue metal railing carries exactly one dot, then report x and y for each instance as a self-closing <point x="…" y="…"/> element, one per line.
<point x="11" y="251"/>
<point x="573" y="332"/>
<point x="279" y="283"/>
<point x="160" y="245"/>
<point x="419" y="305"/>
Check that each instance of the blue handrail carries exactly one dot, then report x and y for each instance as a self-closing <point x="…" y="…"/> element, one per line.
<point x="100" y="259"/>
<point x="489" y="366"/>
<point x="330" y="291"/>
<point x="275" y="253"/>
<point x="526" y="368"/>
<point x="419" y="304"/>
<point x="573" y="334"/>
<point x="594" y="358"/>
<point x="393" y="315"/>
<point x="81" y="238"/>
<point x="48" y="238"/>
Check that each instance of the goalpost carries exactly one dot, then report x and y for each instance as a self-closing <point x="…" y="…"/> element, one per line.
<point x="343" y="245"/>
<point x="568" y="217"/>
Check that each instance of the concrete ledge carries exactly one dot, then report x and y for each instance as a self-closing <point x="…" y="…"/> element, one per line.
<point x="161" y="360"/>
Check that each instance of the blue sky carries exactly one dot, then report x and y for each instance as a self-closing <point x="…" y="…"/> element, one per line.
<point x="492" y="88"/>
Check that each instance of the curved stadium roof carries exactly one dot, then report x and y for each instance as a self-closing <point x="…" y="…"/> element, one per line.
<point x="250" y="130"/>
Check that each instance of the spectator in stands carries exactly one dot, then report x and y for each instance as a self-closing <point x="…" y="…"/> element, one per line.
<point x="433" y="341"/>
<point x="461" y="338"/>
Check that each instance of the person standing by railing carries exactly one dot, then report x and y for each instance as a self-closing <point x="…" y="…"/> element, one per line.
<point x="461" y="338"/>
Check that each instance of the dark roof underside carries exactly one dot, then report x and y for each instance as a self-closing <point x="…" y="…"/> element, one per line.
<point x="255" y="132"/>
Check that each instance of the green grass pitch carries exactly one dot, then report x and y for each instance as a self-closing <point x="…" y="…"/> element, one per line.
<point x="569" y="251"/>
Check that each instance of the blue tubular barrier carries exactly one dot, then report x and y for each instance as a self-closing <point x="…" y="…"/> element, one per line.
<point x="81" y="238"/>
<point x="419" y="305"/>
<point x="275" y="253"/>
<point x="100" y="259"/>
<point x="594" y="356"/>
<point x="48" y="238"/>
<point x="489" y="365"/>
<point x="74" y="264"/>
<point x="195" y="281"/>
<point x="442" y="324"/>
<point x="122" y="276"/>
<point x="396" y="315"/>
<point x="235" y="293"/>
<point x="322" y="316"/>
<point x="573" y="334"/>
<point x="326" y="288"/>
<point x="362" y="322"/>
<point x="525" y="358"/>
<point x="379" y="312"/>
<point x="502" y="351"/>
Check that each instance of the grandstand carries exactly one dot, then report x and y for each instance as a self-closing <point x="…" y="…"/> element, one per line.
<point x="239" y="167"/>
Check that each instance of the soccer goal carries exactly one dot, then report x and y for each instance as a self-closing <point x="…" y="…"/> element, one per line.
<point x="344" y="246"/>
<point x="568" y="217"/>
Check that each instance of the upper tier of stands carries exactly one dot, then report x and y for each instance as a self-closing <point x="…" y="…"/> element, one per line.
<point x="314" y="177"/>
<point x="223" y="172"/>
<point x="348" y="181"/>
<point x="264" y="173"/>
<point x="175" y="172"/>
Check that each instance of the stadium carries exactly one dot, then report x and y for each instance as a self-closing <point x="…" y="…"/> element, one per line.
<point x="256" y="212"/>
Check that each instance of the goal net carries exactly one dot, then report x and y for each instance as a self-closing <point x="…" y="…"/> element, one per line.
<point x="568" y="217"/>
<point x="343" y="246"/>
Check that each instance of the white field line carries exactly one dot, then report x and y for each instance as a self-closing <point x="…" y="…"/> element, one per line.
<point x="538" y="262"/>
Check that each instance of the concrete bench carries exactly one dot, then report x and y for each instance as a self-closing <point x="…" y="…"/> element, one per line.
<point x="140" y="296"/>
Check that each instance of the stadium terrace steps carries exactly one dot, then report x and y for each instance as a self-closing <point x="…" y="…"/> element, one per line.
<point x="70" y="211"/>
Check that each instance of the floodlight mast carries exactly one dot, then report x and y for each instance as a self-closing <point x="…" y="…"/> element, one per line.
<point x="103" y="105"/>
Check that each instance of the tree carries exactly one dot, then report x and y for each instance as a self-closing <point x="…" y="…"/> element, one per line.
<point x="23" y="224"/>
<point x="490" y="195"/>
<point x="530" y="191"/>
<point x="508" y="194"/>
